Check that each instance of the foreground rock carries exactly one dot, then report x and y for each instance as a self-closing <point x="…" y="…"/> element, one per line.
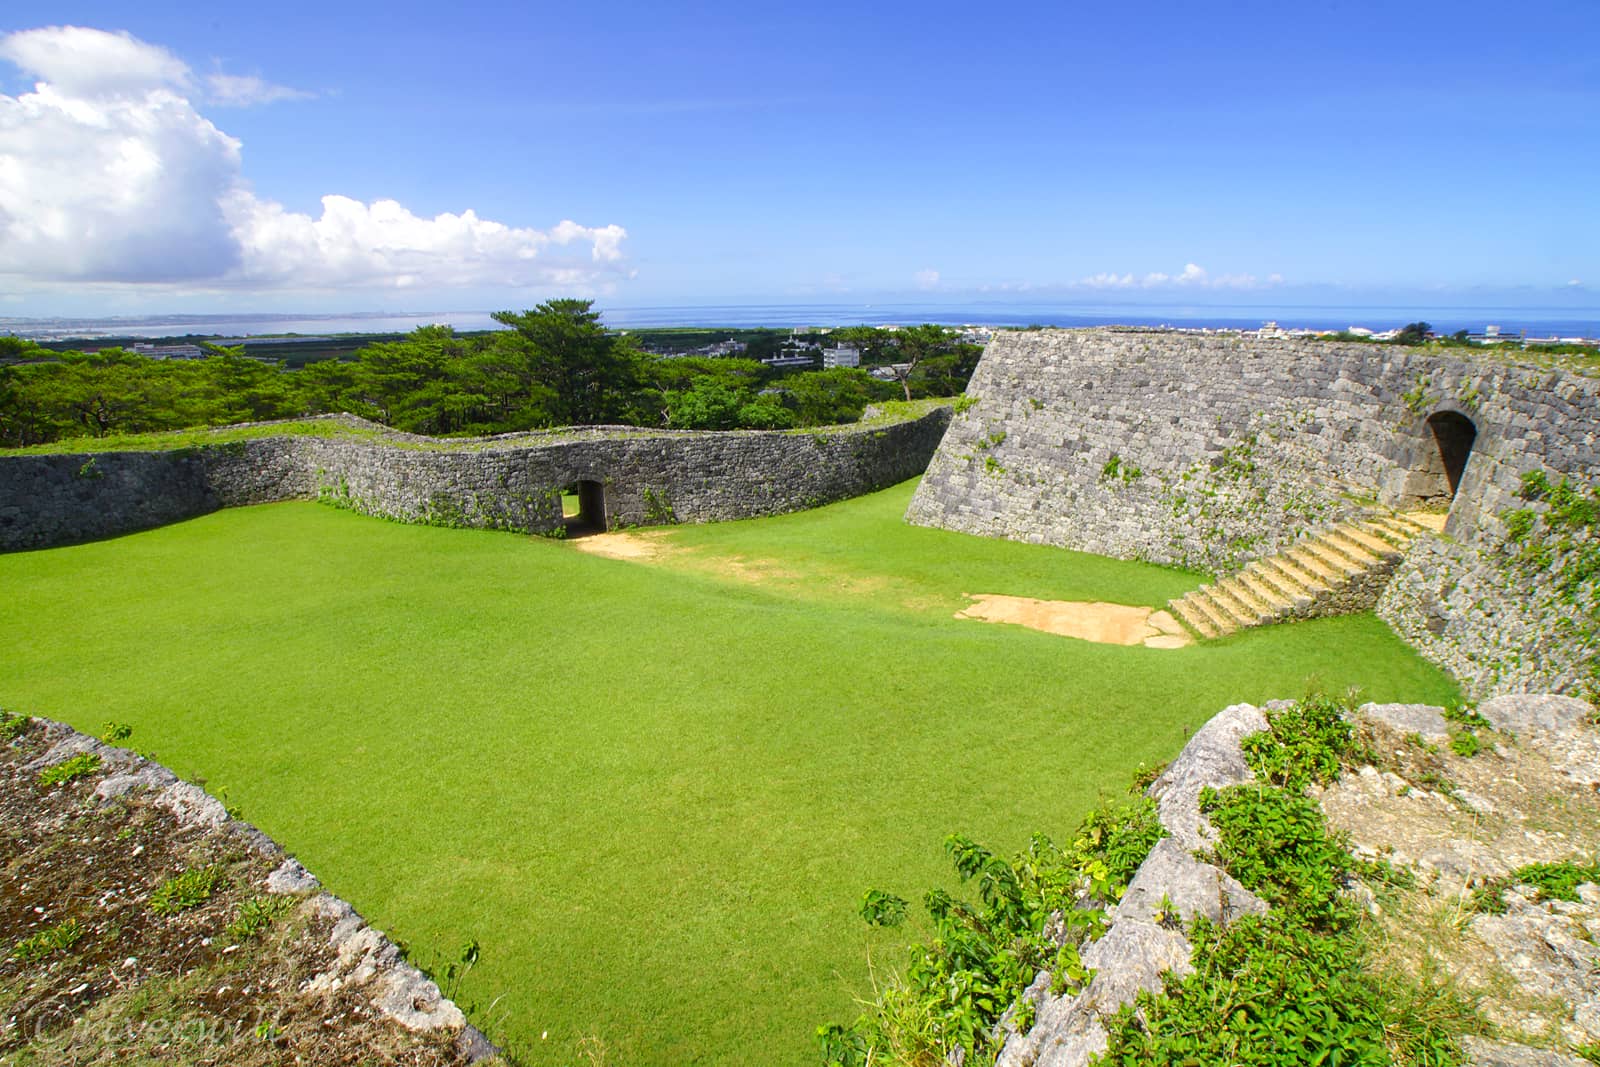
<point x="1141" y="944"/>
<point x="249" y="962"/>
<point x="1456" y="822"/>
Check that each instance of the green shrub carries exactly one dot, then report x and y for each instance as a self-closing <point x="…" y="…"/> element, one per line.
<point x="1268" y="991"/>
<point x="984" y="953"/>
<point x="84" y="763"/>
<point x="57" y="938"/>
<point x="1550" y="881"/>
<point x="257" y="914"/>
<point x="187" y="890"/>
<point x="1277" y="844"/>
<point x="12" y="725"/>
<point x="1305" y="742"/>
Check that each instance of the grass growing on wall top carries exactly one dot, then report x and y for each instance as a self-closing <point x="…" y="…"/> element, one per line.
<point x="653" y="795"/>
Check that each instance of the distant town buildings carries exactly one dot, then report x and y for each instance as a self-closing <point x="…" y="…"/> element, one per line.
<point x="841" y="356"/>
<point x="167" y="351"/>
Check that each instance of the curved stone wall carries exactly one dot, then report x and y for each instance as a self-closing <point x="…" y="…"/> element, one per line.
<point x="512" y="482"/>
<point x="1208" y="451"/>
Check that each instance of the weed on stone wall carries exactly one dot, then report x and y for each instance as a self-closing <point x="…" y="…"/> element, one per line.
<point x="1252" y="497"/>
<point x="1419" y="398"/>
<point x="1115" y="471"/>
<point x="658" y="508"/>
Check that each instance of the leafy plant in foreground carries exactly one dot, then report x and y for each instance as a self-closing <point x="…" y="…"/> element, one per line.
<point x="84" y="763"/>
<point x="12" y="725"/>
<point x="187" y="890"/>
<point x="1294" y="986"/>
<point x="257" y="914"/>
<point x="1033" y="913"/>
<point x="1306" y="742"/>
<point x="57" y="938"/>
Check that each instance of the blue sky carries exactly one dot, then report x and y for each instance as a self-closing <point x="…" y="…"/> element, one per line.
<point x="1218" y="153"/>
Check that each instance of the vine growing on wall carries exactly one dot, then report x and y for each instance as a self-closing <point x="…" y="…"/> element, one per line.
<point x="1257" y="492"/>
<point x="1555" y="547"/>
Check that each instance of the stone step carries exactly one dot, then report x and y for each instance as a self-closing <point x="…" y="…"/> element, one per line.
<point x="1242" y="602"/>
<point x="1283" y="585"/>
<point x="1425" y="521"/>
<point x="1283" y="588"/>
<point x="1238" y="611"/>
<point x="1276" y="602"/>
<point x="1330" y="543"/>
<point x="1398" y="526"/>
<point x="1331" y="570"/>
<point x="1193" y="617"/>
<point x="1395" y="538"/>
<point x="1307" y="582"/>
<point x="1221" y="620"/>
<point x="1376" y="546"/>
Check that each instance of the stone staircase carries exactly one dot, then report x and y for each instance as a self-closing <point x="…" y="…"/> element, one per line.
<point x="1335" y="572"/>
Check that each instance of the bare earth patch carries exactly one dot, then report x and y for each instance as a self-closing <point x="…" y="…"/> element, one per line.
<point x="629" y="546"/>
<point x="1103" y="623"/>
<point x="251" y="966"/>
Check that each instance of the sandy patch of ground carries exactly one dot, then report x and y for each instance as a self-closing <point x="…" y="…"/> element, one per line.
<point x="618" y="546"/>
<point x="1106" y="624"/>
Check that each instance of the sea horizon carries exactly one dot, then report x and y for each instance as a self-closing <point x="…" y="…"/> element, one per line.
<point x="1534" y="321"/>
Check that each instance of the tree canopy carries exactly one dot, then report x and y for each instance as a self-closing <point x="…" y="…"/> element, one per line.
<point x="555" y="365"/>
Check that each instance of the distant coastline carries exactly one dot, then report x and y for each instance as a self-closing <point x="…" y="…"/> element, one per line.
<point x="1566" y="321"/>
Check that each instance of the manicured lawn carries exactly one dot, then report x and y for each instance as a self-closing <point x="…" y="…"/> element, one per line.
<point x="653" y="792"/>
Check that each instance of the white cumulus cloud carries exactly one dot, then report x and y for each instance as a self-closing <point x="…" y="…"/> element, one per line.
<point x="108" y="173"/>
<point x="1192" y="275"/>
<point x="247" y="90"/>
<point x="927" y="279"/>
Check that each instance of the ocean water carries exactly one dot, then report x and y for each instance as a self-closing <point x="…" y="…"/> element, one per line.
<point x="1536" y="322"/>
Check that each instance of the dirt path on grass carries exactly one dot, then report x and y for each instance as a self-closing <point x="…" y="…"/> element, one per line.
<point x="1098" y="621"/>
<point x="630" y="546"/>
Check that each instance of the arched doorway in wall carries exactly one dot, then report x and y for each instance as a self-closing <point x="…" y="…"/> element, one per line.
<point x="1453" y="434"/>
<point x="583" y="507"/>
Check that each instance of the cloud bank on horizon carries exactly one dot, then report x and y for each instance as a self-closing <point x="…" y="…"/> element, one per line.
<point x="109" y="174"/>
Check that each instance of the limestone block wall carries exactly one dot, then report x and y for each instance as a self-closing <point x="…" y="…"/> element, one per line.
<point x="511" y="482"/>
<point x="1207" y="451"/>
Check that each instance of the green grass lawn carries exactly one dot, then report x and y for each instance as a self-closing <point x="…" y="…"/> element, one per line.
<point x="653" y="792"/>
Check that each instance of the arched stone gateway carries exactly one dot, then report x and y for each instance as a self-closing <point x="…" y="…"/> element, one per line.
<point x="1453" y="433"/>
<point x="591" y="514"/>
<point x="1439" y="460"/>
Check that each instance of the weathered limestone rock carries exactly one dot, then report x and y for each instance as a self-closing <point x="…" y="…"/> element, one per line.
<point x="1483" y="1052"/>
<point x="365" y="958"/>
<point x="1420" y="719"/>
<point x="1190" y="887"/>
<point x="1558" y="725"/>
<point x="1143" y="943"/>
<point x="1549" y="949"/>
<point x="1213" y="759"/>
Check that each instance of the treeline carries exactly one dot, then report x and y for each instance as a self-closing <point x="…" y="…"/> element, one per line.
<point x="555" y="366"/>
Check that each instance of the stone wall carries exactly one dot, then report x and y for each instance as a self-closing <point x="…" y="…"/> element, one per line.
<point x="512" y="482"/>
<point x="1207" y="451"/>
